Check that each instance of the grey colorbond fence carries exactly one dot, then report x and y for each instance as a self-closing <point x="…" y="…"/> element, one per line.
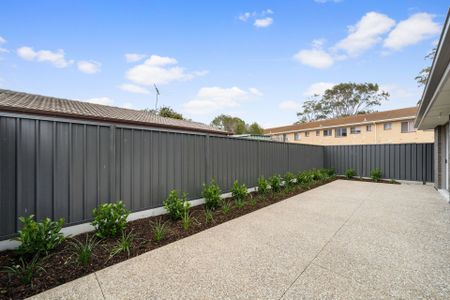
<point x="397" y="161"/>
<point x="64" y="168"/>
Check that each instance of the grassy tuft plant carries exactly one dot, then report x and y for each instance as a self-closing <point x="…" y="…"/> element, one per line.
<point x="110" y="219"/>
<point x="375" y="174"/>
<point x="263" y="185"/>
<point x="209" y="216"/>
<point x="39" y="237"/>
<point x="176" y="205"/>
<point x="275" y="183"/>
<point x="226" y="206"/>
<point x="25" y="271"/>
<point x="124" y="244"/>
<point x="83" y="250"/>
<point x="350" y="173"/>
<point x="211" y="192"/>
<point x="186" y="220"/>
<point x="239" y="192"/>
<point x="159" y="230"/>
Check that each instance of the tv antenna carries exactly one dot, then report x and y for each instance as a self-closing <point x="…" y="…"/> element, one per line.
<point x="157" y="96"/>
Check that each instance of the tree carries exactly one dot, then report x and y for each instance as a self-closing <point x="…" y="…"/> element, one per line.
<point x="422" y="77"/>
<point x="167" y="112"/>
<point x="344" y="99"/>
<point x="235" y="125"/>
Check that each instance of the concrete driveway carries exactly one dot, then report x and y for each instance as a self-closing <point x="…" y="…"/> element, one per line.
<point x="343" y="240"/>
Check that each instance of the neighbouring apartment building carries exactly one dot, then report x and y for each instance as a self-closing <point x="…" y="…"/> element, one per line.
<point x="385" y="127"/>
<point x="434" y="109"/>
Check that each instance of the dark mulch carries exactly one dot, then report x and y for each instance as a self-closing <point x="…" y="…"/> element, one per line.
<point x="61" y="266"/>
<point x="368" y="180"/>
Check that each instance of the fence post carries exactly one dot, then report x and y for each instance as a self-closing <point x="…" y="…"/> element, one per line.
<point x="207" y="163"/>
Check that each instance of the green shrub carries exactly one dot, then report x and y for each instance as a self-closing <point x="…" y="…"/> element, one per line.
<point x="211" y="192"/>
<point x="289" y="180"/>
<point x="39" y="237"/>
<point x="25" y="271"/>
<point x="305" y="177"/>
<point x="263" y="185"/>
<point x="176" y="205"/>
<point x="83" y="250"/>
<point x="110" y="219"/>
<point x="239" y="192"/>
<point x="375" y="174"/>
<point x="350" y="173"/>
<point x="330" y="172"/>
<point x="275" y="183"/>
<point x="124" y="244"/>
<point x="159" y="230"/>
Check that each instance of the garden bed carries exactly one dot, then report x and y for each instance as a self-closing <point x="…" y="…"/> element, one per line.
<point x="61" y="266"/>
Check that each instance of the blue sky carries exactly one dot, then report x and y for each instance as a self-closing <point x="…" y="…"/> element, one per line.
<point x="258" y="60"/>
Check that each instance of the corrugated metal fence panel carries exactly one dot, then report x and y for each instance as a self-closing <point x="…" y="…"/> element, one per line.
<point x="397" y="161"/>
<point x="64" y="168"/>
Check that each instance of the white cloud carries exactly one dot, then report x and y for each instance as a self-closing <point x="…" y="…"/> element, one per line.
<point x="128" y="105"/>
<point x="260" y="19"/>
<point x="255" y="91"/>
<point x="318" y="88"/>
<point x="89" y="67"/>
<point x="134" y="57"/>
<point x="3" y="41"/>
<point x="411" y="31"/>
<point x="132" y="88"/>
<point x="100" y="100"/>
<point x="290" y="105"/>
<point x="212" y="99"/>
<point x="159" y="70"/>
<point x="265" y="22"/>
<point x="56" y="58"/>
<point x="366" y="33"/>
<point x="316" y="58"/>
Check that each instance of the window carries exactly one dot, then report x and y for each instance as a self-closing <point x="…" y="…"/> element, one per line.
<point x="327" y="132"/>
<point x="285" y="137"/>
<point x="369" y="128"/>
<point x="387" y="126"/>
<point x="355" y="130"/>
<point x="317" y="132"/>
<point x="340" y="132"/>
<point x="407" y="126"/>
<point x="306" y="133"/>
<point x="297" y="136"/>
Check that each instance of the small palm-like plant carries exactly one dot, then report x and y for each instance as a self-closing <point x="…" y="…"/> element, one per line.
<point x="186" y="220"/>
<point x="226" y="206"/>
<point x="124" y="244"/>
<point x="25" y="271"/>
<point x="84" y="250"/>
<point x="239" y="192"/>
<point x="159" y="230"/>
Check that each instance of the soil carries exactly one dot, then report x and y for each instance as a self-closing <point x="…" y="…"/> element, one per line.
<point x="61" y="265"/>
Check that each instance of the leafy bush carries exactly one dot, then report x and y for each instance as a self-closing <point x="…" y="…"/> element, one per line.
<point x="275" y="183"/>
<point x="263" y="185"/>
<point x="330" y="172"/>
<point x="289" y="180"/>
<point x="176" y="205"/>
<point x="350" y="173"/>
<point x="375" y="174"/>
<point x="25" y="271"/>
<point x="239" y="192"/>
<point x="159" y="230"/>
<point x="110" y="219"/>
<point x="83" y="251"/>
<point x="211" y="192"/>
<point x="123" y="244"/>
<point x="305" y="177"/>
<point x="39" y="237"/>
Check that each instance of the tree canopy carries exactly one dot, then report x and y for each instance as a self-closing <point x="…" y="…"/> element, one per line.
<point x="344" y="99"/>
<point x="422" y="77"/>
<point x="236" y="125"/>
<point x="166" y="111"/>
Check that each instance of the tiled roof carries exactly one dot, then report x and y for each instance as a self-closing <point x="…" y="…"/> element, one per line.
<point x="363" y="118"/>
<point x="36" y="104"/>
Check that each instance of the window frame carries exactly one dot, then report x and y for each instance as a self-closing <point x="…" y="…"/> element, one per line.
<point x="297" y="136"/>
<point x="306" y="133"/>
<point x="387" y="123"/>
<point x="317" y="132"/>
<point x="328" y="130"/>
<point x="340" y="132"/>
<point x="352" y="131"/>
<point x="369" y="128"/>
<point x="410" y="125"/>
